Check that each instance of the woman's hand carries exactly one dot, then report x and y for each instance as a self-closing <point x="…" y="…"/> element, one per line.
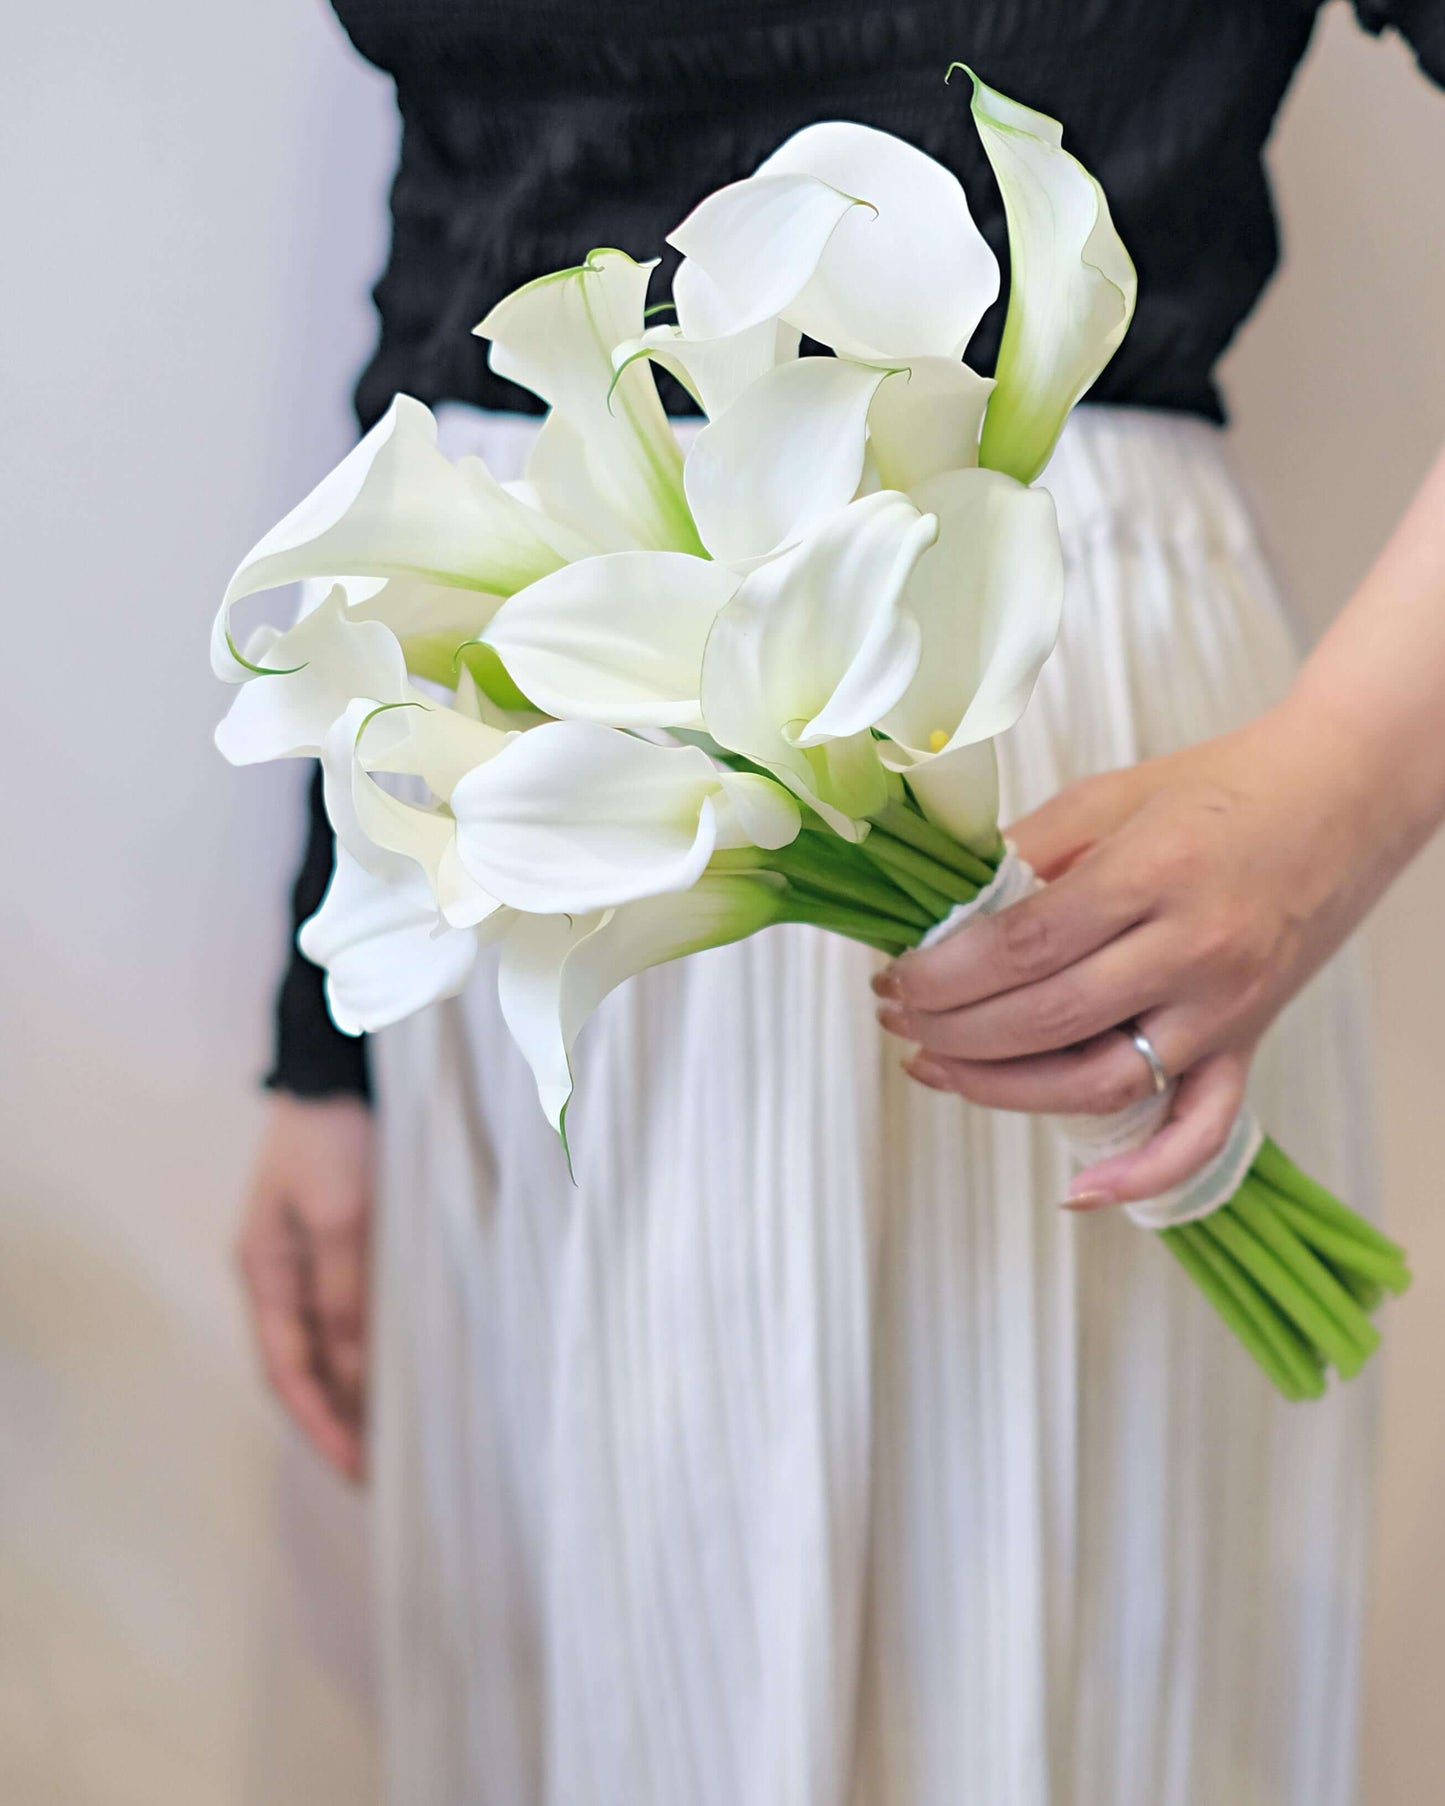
<point x="303" y="1255"/>
<point x="1194" y="895"/>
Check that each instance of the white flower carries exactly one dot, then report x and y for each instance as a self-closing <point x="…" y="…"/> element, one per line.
<point x="556" y="969"/>
<point x="815" y="647"/>
<point x="986" y="599"/>
<point x="607" y="459"/>
<point x="572" y="816"/>
<point x="1071" y="283"/>
<point x="396" y="507"/>
<point x="847" y="234"/>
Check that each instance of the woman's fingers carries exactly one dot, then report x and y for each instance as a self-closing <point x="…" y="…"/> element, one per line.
<point x="1096" y="1079"/>
<point x="1205" y="1106"/>
<point x="1129" y="975"/>
<point x="338" y="1274"/>
<point x="1087" y="908"/>
<point x="273" y="1265"/>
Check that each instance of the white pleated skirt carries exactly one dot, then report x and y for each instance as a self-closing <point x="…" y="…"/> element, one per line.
<point x="805" y="1453"/>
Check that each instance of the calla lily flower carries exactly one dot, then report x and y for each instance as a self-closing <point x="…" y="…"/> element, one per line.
<point x="787" y="455"/>
<point x="815" y="647"/>
<point x="573" y="816"/>
<point x="987" y="600"/>
<point x="377" y="937"/>
<point x="396" y="507"/>
<point x="617" y="639"/>
<point x="804" y="438"/>
<point x="611" y="454"/>
<point x="303" y="680"/>
<point x="437" y="745"/>
<point x="847" y="234"/>
<point x="1071" y="284"/>
<point x="714" y="371"/>
<point x="556" y="969"/>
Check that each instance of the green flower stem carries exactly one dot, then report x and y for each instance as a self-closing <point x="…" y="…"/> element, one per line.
<point x="1254" y="1210"/>
<point x="1280" y="1283"/>
<point x="906" y="824"/>
<point x="1369" y="1294"/>
<point x="917" y="874"/>
<point x="1299" y="1359"/>
<point x="1276" y="1168"/>
<point x="1186" y="1252"/>
<point x="874" y="931"/>
<point x="833" y="881"/>
<point x="1340" y="1249"/>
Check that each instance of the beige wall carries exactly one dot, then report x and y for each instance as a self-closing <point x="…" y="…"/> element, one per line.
<point x="1339" y="393"/>
<point x="198" y="189"/>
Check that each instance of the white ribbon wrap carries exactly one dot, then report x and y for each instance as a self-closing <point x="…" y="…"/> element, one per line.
<point x="1094" y="1138"/>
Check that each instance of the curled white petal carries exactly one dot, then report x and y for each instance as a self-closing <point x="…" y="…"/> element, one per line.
<point x="313" y="671"/>
<point x="395" y="507"/>
<point x="617" y="639"/>
<point x="575" y="816"/>
<point x="815" y="648"/>
<point x="1072" y="284"/>
<point x="382" y="947"/>
<point x="556" y="336"/>
<point x="926" y="419"/>
<point x="715" y="371"/>
<point x="987" y="598"/>
<point x="555" y="970"/>
<point x="788" y="454"/>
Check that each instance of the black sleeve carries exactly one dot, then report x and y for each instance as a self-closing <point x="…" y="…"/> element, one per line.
<point x="312" y="1056"/>
<point x="1421" y="23"/>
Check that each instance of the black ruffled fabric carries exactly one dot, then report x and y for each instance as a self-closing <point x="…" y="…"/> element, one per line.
<point x="534" y="130"/>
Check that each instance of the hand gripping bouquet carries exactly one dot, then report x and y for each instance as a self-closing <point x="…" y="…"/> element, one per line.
<point x="642" y="704"/>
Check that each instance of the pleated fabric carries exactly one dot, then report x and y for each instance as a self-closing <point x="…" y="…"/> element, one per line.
<point x="805" y="1453"/>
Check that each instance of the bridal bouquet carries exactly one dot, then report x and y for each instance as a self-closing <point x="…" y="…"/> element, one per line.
<point x="641" y="704"/>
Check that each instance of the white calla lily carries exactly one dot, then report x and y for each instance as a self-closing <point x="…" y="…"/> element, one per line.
<point x="384" y="952"/>
<point x="1072" y="284"/>
<point x="958" y="791"/>
<point x="926" y="419"/>
<point x="786" y="456"/>
<point x="987" y="599"/>
<point x="617" y="639"/>
<point x="395" y="507"/>
<point x="431" y="621"/>
<point x="714" y="371"/>
<point x="849" y="234"/>
<point x="305" y="678"/>
<point x="575" y="816"/>
<point x="438" y="746"/>
<point x="556" y="336"/>
<point x="814" y="649"/>
<point x="556" y="969"/>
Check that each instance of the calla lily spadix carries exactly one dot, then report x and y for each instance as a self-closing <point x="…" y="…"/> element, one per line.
<point x="574" y="816"/>
<point x="1072" y="284"/>
<point x="847" y="234"/>
<point x="396" y="507"/>
<point x="557" y="336"/>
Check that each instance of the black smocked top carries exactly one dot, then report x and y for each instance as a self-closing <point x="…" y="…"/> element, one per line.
<point x="533" y="130"/>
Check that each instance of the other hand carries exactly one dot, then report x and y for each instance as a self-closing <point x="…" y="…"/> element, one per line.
<point x="1192" y="895"/>
<point x="303" y="1255"/>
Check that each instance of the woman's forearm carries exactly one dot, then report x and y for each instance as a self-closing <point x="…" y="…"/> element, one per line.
<point x="1376" y="680"/>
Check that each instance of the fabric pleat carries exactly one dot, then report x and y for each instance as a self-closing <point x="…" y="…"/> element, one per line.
<point x="804" y="1453"/>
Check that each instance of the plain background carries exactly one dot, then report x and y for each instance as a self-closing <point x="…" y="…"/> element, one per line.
<point x="192" y="200"/>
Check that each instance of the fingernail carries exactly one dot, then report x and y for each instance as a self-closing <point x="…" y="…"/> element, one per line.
<point x="926" y="1071"/>
<point x="885" y="983"/>
<point x="891" y="1016"/>
<point x="1089" y="1200"/>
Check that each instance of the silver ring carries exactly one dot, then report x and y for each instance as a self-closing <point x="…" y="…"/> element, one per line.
<point x="1151" y="1058"/>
